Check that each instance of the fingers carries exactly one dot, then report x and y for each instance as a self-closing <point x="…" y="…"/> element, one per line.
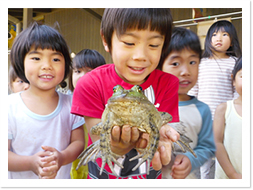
<point x="126" y="134"/>
<point x="156" y="161"/>
<point x="169" y="133"/>
<point x="115" y="134"/>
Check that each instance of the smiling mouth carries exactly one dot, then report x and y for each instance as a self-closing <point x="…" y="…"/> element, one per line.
<point x="46" y="77"/>
<point x="137" y="68"/>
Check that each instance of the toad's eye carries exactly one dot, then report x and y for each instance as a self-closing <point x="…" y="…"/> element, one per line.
<point x="140" y="90"/>
<point x="115" y="89"/>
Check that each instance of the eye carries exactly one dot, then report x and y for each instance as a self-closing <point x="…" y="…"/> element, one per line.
<point x="175" y="64"/>
<point x="192" y="62"/>
<point x="128" y="44"/>
<point x="115" y="88"/>
<point x="35" y="58"/>
<point x="140" y="89"/>
<point x="56" y="59"/>
<point x="154" y="46"/>
<point x="214" y="34"/>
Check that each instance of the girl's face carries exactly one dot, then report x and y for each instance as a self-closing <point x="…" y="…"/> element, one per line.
<point x="136" y="54"/>
<point x="184" y="65"/>
<point x="221" y="41"/>
<point x="19" y="85"/>
<point x="238" y="82"/>
<point x="78" y="73"/>
<point x="44" y="69"/>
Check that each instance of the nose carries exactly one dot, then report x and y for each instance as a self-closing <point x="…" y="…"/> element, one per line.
<point x="46" y="64"/>
<point x="185" y="71"/>
<point x="139" y="53"/>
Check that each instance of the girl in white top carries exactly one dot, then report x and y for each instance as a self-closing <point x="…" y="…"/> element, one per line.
<point x="228" y="132"/>
<point x="214" y="84"/>
<point x="43" y="137"/>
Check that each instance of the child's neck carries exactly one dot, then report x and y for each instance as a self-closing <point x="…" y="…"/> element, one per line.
<point x="183" y="97"/>
<point x="220" y="55"/>
<point x="238" y="105"/>
<point x="40" y="102"/>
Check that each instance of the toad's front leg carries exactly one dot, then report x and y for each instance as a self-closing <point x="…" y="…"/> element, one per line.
<point x="106" y="154"/>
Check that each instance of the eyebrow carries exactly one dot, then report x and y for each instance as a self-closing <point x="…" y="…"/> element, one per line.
<point x="136" y="36"/>
<point x="37" y="52"/>
<point x="177" y="56"/>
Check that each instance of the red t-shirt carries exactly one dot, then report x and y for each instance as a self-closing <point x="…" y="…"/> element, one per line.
<point x="96" y="87"/>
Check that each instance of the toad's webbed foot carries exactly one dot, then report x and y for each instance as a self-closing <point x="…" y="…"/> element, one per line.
<point x="183" y="143"/>
<point x="93" y="152"/>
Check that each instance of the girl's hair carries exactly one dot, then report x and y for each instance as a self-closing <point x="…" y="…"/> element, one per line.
<point x="38" y="36"/>
<point x="237" y="67"/>
<point x="222" y="25"/>
<point x="182" y="38"/>
<point x="120" y="20"/>
<point x="86" y="58"/>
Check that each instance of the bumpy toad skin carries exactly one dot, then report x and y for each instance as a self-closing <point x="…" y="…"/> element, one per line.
<point x="129" y="107"/>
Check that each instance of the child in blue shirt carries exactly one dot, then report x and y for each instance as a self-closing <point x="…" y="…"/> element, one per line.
<point x="182" y="60"/>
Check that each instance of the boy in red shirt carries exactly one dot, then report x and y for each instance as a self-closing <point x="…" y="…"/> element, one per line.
<point x="135" y="38"/>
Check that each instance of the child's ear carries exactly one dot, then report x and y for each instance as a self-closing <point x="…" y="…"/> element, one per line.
<point x="104" y="42"/>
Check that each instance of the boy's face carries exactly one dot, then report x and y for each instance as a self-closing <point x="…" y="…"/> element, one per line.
<point x="136" y="54"/>
<point x="44" y="69"/>
<point x="184" y="65"/>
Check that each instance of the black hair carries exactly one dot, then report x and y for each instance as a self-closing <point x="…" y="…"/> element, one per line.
<point x="182" y="38"/>
<point x="88" y="58"/>
<point x="38" y="36"/>
<point x="222" y="25"/>
<point x="237" y="67"/>
<point x="120" y="20"/>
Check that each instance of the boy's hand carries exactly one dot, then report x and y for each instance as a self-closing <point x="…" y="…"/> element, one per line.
<point x="181" y="167"/>
<point x="163" y="153"/>
<point x="123" y="140"/>
<point x="51" y="164"/>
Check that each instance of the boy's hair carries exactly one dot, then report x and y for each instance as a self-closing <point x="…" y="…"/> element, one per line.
<point x="237" y="67"/>
<point x="38" y="36"/>
<point x="12" y="75"/>
<point x="88" y="58"/>
<point x="222" y="25"/>
<point x="120" y="20"/>
<point x="182" y="38"/>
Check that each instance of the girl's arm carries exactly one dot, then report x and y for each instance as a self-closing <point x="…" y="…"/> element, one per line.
<point x="25" y="163"/>
<point x="221" y="153"/>
<point x="66" y="156"/>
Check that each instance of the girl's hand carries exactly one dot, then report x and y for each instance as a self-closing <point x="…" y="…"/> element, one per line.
<point x="36" y="163"/>
<point x="181" y="167"/>
<point x="51" y="164"/>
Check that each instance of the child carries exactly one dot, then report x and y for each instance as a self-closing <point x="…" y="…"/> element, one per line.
<point x="228" y="132"/>
<point x="15" y="83"/>
<point x="183" y="57"/>
<point x="214" y="84"/>
<point x="40" y="117"/>
<point x="135" y="38"/>
<point x="84" y="61"/>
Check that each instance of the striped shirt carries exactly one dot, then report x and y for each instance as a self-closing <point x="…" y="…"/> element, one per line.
<point x="214" y="84"/>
